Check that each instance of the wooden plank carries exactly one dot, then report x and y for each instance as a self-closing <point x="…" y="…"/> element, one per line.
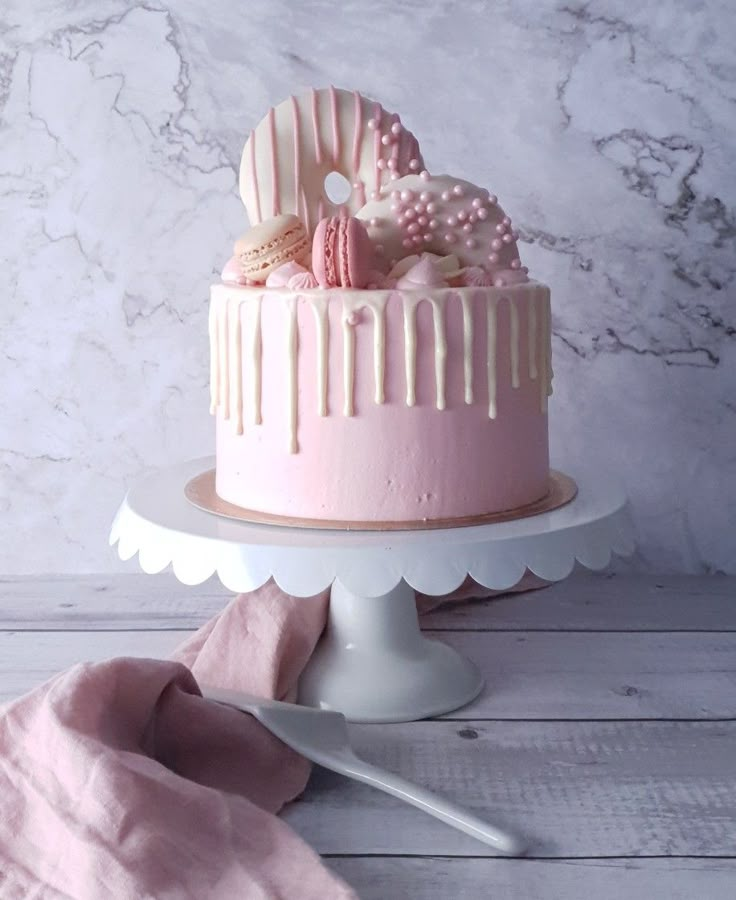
<point x="589" y="601"/>
<point x="574" y="789"/>
<point x="600" y="675"/>
<point x="108" y="602"/>
<point x="585" y="601"/>
<point x="376" y="878"/>
<point x="529" y="675"/>
<point x="30" y="658"/>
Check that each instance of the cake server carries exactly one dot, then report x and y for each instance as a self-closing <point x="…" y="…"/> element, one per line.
<point x="322" y="737"/>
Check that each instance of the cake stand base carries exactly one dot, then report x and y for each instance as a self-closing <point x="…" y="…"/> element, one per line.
<point x="374" y="665"/>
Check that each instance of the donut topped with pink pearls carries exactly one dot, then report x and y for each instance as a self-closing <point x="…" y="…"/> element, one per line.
<point x="395" y="207"/>
<point x="441" y="214"/>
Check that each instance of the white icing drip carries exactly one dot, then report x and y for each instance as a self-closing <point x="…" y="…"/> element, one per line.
<point x="222" y="340"/>
<point x="543" y="362"/>
<point x="465" y="300"/>
<point x="491" y="316"/>
<point x="377" y="305"/>
<point x="514" y="339"/>
<point x="256" y="363"/>
<point x="348" y="341"/>
<point x="410" y="347"/>
<point x="214" y="359"/>
<point x="531" y="308"/>
<point x="235" y="354"/>
<point x="293" y="357"/>
<point x="440" y="348"/>
<point x="227" y="337"/>
<point x="379" y="349"/>
<point x="321" y="323"/>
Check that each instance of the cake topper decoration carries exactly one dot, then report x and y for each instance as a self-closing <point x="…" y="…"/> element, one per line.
<point x="269" y="245"/>
<point x="302" y="140"/>
<point x="444" y="215"/>
<point x="395" y="211"/>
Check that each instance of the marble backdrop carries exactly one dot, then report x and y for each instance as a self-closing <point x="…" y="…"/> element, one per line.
<point x="608" y="130"/>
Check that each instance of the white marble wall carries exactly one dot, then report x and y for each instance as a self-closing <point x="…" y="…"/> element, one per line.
<point x="608" y="129"/>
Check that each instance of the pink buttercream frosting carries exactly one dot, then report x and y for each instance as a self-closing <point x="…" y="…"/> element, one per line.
<point x="379" y="281"/>
<point x="280" y="277"/>
<point x="354" y="466"/>
<point x="475" y="276"/>
<point x="423" y="274"/>
<point x="506" y="277"/>
<point x="232" y="273"/>
<point x="302" y="281"/>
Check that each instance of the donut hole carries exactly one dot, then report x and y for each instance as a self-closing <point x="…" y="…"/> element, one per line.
<point x="337" y="188"/>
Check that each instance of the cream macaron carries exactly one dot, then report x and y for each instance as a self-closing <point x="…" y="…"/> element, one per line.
<point x="270" y="244"/>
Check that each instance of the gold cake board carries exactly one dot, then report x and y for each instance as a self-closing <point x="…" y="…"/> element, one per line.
<point x="200" y="492"/>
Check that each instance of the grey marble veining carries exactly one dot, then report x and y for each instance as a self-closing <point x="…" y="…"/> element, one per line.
<point x="608" y="130"/>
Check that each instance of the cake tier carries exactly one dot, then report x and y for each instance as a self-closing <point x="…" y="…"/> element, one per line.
<point x="385" y="405"/>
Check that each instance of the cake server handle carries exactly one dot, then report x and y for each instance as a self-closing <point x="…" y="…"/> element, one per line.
<point x="448" y="812"/>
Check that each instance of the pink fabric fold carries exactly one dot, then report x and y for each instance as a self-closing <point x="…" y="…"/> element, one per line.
<point x="118" y="780"/>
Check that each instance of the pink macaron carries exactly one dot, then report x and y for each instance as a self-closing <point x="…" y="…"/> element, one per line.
<point x="342" y="253"/>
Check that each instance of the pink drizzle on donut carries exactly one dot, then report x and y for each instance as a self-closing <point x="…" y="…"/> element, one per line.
<point x="305" y="209"/>
<point x="254" y="177"/>
<point x="315" y="126"/>
<point x="297" y="160"/>
<point x="377" y="113"/>
<point x="276" y="205"/>
<point x="335" y="127"/>
<point x="357" y="141"/>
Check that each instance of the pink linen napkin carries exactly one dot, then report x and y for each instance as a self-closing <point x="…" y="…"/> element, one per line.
<point x="118" y="780"/>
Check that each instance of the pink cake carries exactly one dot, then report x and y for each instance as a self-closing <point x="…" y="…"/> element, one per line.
<point x="418" y="392"/>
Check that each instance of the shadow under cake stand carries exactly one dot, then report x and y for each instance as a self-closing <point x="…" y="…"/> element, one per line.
<point x="372" y="663"/>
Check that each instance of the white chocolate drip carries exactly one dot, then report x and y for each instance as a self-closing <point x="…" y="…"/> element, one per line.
<point x="348" y="371"/>
<point x="379" y="349"/>
<point x="410" y="349"/>
<point x="548" y="339"/>
<point x="411" y="302"/>
<point x="543" y="353"/>
<point x="235" y="376"/>
<point x="492" y="328"/>
<point x="321" y="324"/>
<point x="235" y="327"/>
<point x="351" y="304"/>
<point x="440" y="349"/>
<point x="293" y="351"/>
<point x="531" y="307"/>
<point x="514" y="338"/>
<point x="256" y="366"/>
<point x="467" y="347"/>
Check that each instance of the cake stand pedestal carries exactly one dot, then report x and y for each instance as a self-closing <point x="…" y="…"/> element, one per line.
<point x="372" y="663"/>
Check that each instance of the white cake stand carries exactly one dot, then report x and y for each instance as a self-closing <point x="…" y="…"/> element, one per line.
<point x="372" y="663"/>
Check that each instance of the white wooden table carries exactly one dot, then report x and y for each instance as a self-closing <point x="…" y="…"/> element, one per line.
<point x="606" y="733"/>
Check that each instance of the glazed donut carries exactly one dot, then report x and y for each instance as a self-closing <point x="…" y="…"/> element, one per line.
<point x="302" y="140"/>
<point x="442" y="214"/>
